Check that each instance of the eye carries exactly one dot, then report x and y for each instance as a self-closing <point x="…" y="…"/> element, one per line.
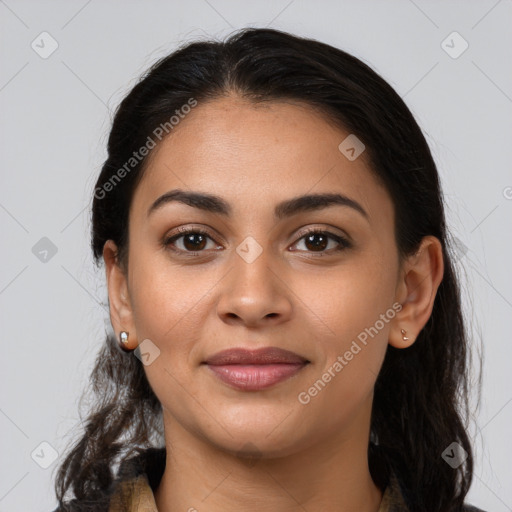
<point x="316" y="240"/>
<point x="194" y="240"/>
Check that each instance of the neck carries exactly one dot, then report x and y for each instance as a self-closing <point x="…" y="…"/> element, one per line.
<point x="330" y="475"/>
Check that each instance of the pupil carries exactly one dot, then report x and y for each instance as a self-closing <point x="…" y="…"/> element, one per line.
<point x="322" y="244"/>
<point x="190" y="238"/>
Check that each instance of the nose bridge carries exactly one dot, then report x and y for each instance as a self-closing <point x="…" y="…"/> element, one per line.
<point x="253" y="289"/>
<point x="252" y="266"/>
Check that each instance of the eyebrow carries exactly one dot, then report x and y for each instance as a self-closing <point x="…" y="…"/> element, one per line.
<point x="215" y="204"/>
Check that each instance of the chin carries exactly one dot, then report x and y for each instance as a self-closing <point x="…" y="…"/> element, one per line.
<point x="256" y="441"/>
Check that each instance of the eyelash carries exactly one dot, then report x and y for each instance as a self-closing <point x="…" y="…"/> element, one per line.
<point x="343" y="242"/>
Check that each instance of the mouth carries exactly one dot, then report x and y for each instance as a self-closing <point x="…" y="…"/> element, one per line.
<point x="254" y="370"/>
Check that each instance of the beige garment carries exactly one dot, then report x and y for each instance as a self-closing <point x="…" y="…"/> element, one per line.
<point x="133" y="495"/>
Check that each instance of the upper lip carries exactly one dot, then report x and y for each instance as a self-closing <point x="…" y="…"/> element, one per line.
<point x="265" y="355"/>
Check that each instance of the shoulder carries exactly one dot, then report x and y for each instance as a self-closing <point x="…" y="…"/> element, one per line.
<point x="137" y="476"/>
<point x="149" y="462"/>
<point x="394" y="501"/>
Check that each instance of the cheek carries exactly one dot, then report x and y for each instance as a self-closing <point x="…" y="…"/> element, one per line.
<point x="350" y="299"/>
<point x="171" y="307"/>
<point x="351" y="356"/>
<point x="159" y="303"/>
<point x="355" y="309"/>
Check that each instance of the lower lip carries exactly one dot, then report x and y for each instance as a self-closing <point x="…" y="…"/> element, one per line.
<point x="253" y="377"/>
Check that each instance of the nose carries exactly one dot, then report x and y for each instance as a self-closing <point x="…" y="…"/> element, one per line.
<point x="254" y="293"/>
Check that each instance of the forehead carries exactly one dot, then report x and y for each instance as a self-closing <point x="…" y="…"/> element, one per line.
<point x="257" y="154"/>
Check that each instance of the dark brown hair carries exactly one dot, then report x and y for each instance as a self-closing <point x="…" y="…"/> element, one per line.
<point x="421" y="399"/>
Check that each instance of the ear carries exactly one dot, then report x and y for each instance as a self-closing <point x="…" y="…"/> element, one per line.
<point x="419" y="279"/>
<point x="121" y="314"/>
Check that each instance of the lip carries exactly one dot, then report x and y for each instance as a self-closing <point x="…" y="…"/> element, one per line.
<point x="252" y="370"/>
<point x="265" y="355"/>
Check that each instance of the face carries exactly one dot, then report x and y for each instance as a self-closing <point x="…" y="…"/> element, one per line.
<point x="254" y="276"/>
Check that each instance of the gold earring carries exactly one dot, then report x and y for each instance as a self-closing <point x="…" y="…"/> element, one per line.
<point x="123" y="341"/>
<point x="404" y="337"/>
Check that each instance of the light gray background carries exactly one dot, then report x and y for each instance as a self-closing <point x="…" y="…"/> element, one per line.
<point x="55" y="118"/>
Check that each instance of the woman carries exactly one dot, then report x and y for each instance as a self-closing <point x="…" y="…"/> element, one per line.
<point x="287" y="319"/>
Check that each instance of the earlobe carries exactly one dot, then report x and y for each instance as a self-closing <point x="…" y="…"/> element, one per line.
<point x="121" y="315"/>
<point x="400" y="337"/>
<point x="419" y="281"/>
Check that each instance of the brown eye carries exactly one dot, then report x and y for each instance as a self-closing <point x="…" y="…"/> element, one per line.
<point x="194" y="240"/>
<point x="318" y="241"/>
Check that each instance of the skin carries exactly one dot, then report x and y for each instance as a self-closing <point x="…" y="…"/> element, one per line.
<point x="305" y="456"/>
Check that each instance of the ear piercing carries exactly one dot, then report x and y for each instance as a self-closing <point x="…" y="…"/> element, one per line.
<point x="123" y="341"/>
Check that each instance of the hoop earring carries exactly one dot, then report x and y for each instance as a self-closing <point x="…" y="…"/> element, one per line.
<point x="404" y="337"/>
<point x="123" y="341"/>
